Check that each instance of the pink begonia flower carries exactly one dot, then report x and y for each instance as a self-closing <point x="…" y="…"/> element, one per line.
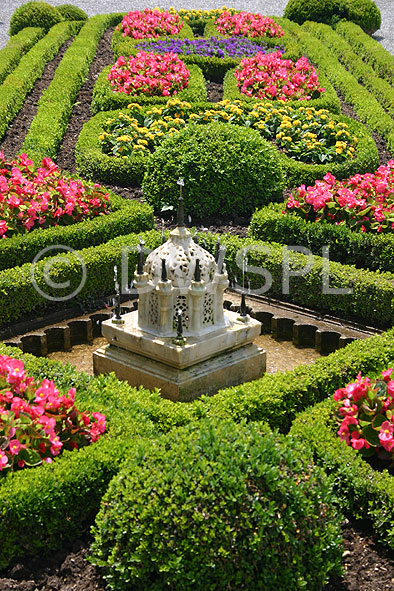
<point x="3" y="460"/>
<point x="387" y="373"/>
<point x="386" y="432"/>
<point x="100" y="421"/>
<point x="15" y="446"/>
<point x="357" y="441"/>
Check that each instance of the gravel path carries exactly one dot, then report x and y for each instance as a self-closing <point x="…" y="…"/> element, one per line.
<point x="269" y="7"/>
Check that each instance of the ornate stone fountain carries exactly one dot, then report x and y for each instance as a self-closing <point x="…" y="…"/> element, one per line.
<point x="181" y="339"/>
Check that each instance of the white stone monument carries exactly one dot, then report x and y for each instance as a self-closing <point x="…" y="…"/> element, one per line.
<point x="181" y="339"/>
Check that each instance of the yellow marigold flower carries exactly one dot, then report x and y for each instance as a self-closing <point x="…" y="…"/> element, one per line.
<point x="101" y="137"/>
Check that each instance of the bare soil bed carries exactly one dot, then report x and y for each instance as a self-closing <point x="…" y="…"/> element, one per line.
<point x="368" y="565"/>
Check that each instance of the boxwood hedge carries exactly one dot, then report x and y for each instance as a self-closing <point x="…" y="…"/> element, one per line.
<point x="104" y="99"/>
<point x="362" y="491"/>
<point x="17" y="46"/>
<point x="369" y="250"/>
<point x="370" y="300"/>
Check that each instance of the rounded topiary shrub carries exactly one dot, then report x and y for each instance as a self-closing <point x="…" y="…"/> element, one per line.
<point x="69" y="12"/>
<point x="365" y="13"/>
<point x="217" y="507"/>
<point x="225" y="168"/>
<point x="34" y="14"/>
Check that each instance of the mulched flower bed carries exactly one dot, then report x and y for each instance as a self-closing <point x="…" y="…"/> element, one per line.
<point x="369" y="566"/>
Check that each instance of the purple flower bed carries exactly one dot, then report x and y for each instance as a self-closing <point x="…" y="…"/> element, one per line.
<point x="234" y="47"/>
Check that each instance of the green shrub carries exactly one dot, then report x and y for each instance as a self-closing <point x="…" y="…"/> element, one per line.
<point x="104" y="99"/>
<point x="17" y="46"/>
<point x="362" y="491"/>
<point x="34" y="14"/>
<point x="363" y="12"/>
<point x="225" y="169"/>
<point x="368" y="250"/>
<point x="69" y="12"/>
<point x="201" y="508"/>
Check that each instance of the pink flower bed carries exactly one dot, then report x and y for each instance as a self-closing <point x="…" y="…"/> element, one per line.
<point x="149" y="74"/>
<point x="364" y="202"/>
<point x="150" y="23"/>
<point x="365" y="415"/>
<point x="247" y="24"/>
<point x="36" y="421"/>
<point x="33" y="197"/>
<point x="268" y="76"/>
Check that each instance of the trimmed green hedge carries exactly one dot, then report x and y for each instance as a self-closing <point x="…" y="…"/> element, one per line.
<point x="363" y="73"/>
<point x="369" y="250"/>
<point x="57" y="101"/>
<point x="104" y="99"/>
<point x="93" y="163"/>
<point x="126" y="216"/>
<point x="124" y="45"/>
<point x="327" y="100"/>
<point x="19" y="83"/>
<point x="16" y="47"/>
<point x="373" y="52"/>
<point x="371" y="301"/>
<point x="362" y="491"/>
<point x="366" y="106"/>
<point x="34" y="14"/>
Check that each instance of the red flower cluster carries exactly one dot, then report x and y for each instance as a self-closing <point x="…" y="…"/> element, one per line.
<point x="149" y="74"/>
<point x="150" y="23"/>
<point x="247" y="24"/>
<point x="40" y="197"/>
<point x="36" y="421"/>
<point x="364" y="202"/>
<point x="365" y="415"/>
<point x="268" y="76"/>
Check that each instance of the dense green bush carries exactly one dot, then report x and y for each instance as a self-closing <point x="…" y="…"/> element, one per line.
<point x="34" y="14"/>
<point x="369" y="250"/>
<point x="362" y="491"/>
<point x="21" y="80"/>
<point x="17" y="46"/>
<point x="225" y="169"/>
<point x="200" y="509"/>
<point x="69" y="12"/>
<point x="364" y="13"/>
<point x="104" y="99"/>
<point x="125" y="217"/>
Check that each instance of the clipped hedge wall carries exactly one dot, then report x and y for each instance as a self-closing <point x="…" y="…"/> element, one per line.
<point x="16" y="48"/>
<point x="369" y="250"/>
<point x="373" y="53"/>
<point x="34" y="14"/>
<point x="104" y="99"/>
<point x="371" y="301"/>
<point x="200" y="508"/>
<point x="363" y="73"/>
<point x="365" y="105"/>
<point x="19" y="83"/>
<point x="57" y="101"/>
<point x="362" y="491"/>
<point x="327" y="100"/>
<point x="126" y="216"/>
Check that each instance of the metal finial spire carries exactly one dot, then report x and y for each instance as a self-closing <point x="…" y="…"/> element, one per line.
<point x="197" y="271"/>
<point x="163" y="270"/>
<point x="181" y="209"/>
<point x="179" y="326"/>
<point x="243" y="309"/>
<point x="217" y="247"/>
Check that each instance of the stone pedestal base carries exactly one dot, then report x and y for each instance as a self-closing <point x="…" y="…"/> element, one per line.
<point x="207" y="377"/>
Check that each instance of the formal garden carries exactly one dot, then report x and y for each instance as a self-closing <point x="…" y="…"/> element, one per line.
<point x="278" y="132"/>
